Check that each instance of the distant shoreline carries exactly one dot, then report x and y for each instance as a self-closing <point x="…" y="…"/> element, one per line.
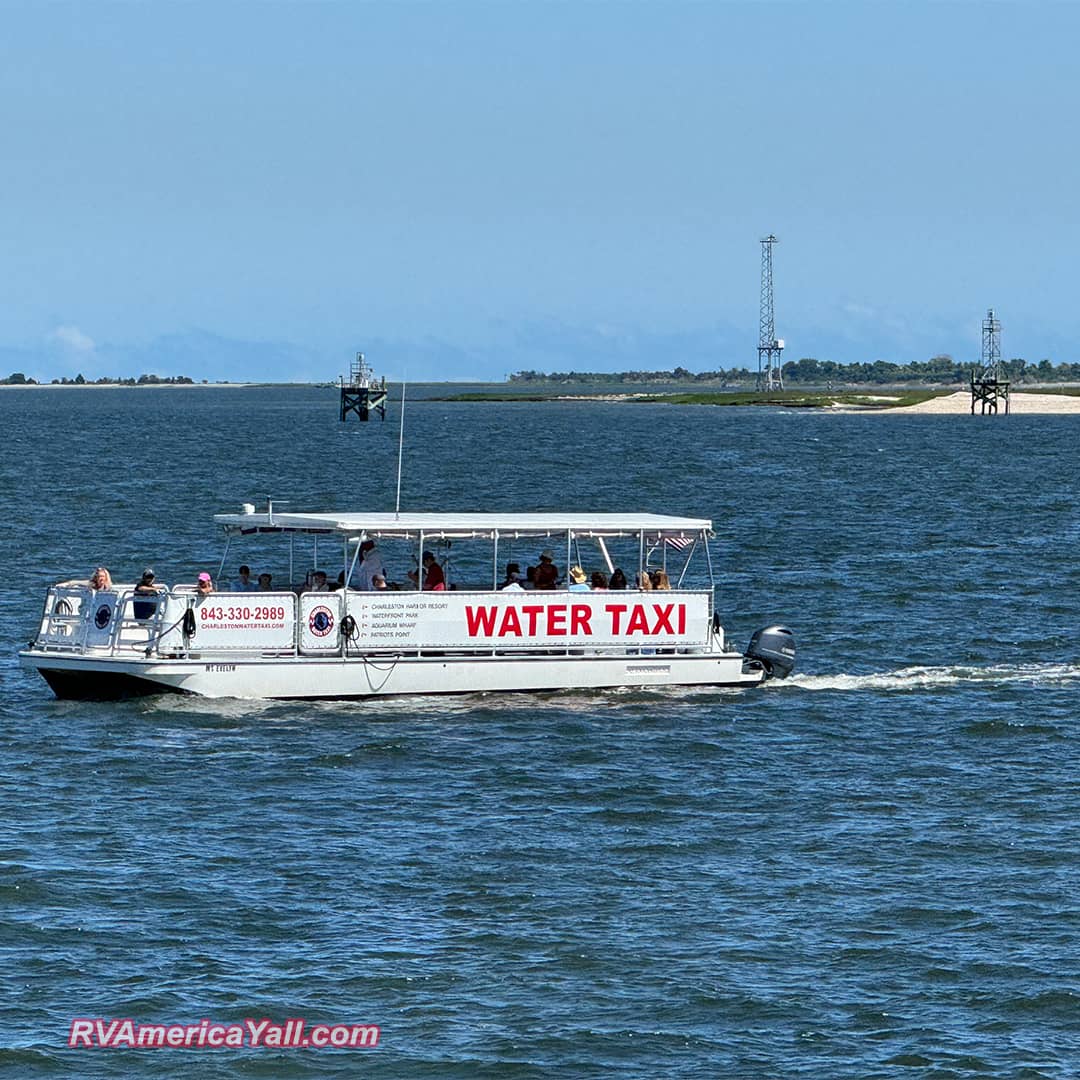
<point x="879" y="400"/>
<point x="127" y="386"/>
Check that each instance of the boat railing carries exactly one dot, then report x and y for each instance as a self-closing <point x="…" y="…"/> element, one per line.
<point x="77" y="618"/>
<point x="120" y="622"/>
<point x="63" y="618"/>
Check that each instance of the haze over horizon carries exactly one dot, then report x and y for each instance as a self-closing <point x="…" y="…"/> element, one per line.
<point x="257" y="190"/>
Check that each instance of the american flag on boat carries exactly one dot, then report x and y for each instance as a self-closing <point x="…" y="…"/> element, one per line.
<point x="679" y="543"/>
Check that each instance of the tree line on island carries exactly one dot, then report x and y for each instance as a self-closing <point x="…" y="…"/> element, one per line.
<point x="938" y="370"/>
<point x="17" y="378"/>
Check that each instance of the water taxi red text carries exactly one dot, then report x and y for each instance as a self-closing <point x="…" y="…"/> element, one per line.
<point x="575" y="620"/>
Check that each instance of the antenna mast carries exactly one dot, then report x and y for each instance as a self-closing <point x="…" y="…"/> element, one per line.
<point x="770" y="346"/>
<point x="400" y="450"/>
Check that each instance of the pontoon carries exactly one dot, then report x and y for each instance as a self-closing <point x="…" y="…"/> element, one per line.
<point x="468" y="636"/>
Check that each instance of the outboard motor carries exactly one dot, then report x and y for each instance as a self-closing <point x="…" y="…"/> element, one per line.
<point x="774" y="648"/>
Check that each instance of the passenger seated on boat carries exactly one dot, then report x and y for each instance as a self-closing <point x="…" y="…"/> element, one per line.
<point x="205" y="584"/>
<point x="318" y="582"/>
<point x="265" y="581"/>
<point x="547" y="573"/>
<point x="244" y="583"/>
<point x="378" y="582"/>
<point x="101" y="579"/>
<point x="599" y="581"/>
<point x="513" y="577"/>
<point x="434" y="579"/>
<point x="142" y="606"/>
<point x="530" y="577"/>
<point x="578" y="581"/>
<point x="660" y="580"/>
<point x="618" y="579"/>
<point x="644" y="582"/>
<point x="371" y="563"/>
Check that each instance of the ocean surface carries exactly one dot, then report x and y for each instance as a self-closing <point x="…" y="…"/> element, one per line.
<point x="869" y="870"/>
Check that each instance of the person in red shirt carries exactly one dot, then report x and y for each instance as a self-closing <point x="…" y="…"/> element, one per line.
<point x="434" y="581"/>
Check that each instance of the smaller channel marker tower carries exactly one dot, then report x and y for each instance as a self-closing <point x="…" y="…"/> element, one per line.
<point x="770" y="347"/>
<point x="988" y="389"/>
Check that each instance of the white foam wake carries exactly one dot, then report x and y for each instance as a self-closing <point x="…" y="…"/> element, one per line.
<point x="920" y="678"/>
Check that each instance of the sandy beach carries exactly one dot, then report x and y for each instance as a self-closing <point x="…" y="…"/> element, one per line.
<point x="1022" y="404"/>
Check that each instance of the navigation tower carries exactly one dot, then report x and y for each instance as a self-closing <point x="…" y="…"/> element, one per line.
<point x="770" y="347"/>
<point x="361" y="393"/>
<point x="988" y="389"/>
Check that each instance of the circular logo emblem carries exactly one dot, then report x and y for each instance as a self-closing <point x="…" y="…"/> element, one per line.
<point x="321" y="621"/>
<point x="102" y="616"/>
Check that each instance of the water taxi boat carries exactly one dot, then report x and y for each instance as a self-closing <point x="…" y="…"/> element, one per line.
<point x="465" y="635"/>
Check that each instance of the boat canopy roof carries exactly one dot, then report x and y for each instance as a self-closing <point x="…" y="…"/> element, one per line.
<point x="465" y="525"/>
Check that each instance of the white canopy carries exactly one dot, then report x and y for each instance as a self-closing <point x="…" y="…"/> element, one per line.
<point x="465" y="525"/>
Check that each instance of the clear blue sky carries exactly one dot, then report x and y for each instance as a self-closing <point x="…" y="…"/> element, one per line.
<point x="462" y="189"/>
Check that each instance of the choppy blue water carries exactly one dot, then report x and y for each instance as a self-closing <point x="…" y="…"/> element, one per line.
<point x="870" y="870"/>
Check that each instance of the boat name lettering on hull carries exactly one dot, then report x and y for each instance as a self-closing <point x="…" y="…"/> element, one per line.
<point x="575" y="620"/>
<point x="220" y="667"/>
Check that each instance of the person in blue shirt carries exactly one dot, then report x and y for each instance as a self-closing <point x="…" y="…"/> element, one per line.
<point x="578" y="580"/>
<point x="244" y="583"/>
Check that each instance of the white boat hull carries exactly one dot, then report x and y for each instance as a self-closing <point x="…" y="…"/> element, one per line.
<point x="87" y="676"/>
<point x="110" y="640"/>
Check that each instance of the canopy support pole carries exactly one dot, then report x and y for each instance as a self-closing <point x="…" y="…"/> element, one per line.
<point x="604" y="551"/>
<point x="224" y="556"/>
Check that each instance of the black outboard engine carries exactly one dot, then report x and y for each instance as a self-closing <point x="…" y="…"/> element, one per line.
<point x="774" y="648"/>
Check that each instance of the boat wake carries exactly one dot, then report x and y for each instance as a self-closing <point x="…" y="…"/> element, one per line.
<point x="923" y="678"/>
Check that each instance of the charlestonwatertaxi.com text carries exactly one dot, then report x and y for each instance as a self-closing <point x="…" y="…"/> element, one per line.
<point x="293" y="1034"/>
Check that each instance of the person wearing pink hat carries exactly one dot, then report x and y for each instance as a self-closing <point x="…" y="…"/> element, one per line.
<point x="205" y="585"/>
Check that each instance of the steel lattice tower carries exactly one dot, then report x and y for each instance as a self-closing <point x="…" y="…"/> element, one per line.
<point x="988" y="389"/>
<point x="770" y="347"/>
<point x="991" y="347"/>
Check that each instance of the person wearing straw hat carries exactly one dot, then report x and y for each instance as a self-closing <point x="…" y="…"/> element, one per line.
<point x="579" y="581"/>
